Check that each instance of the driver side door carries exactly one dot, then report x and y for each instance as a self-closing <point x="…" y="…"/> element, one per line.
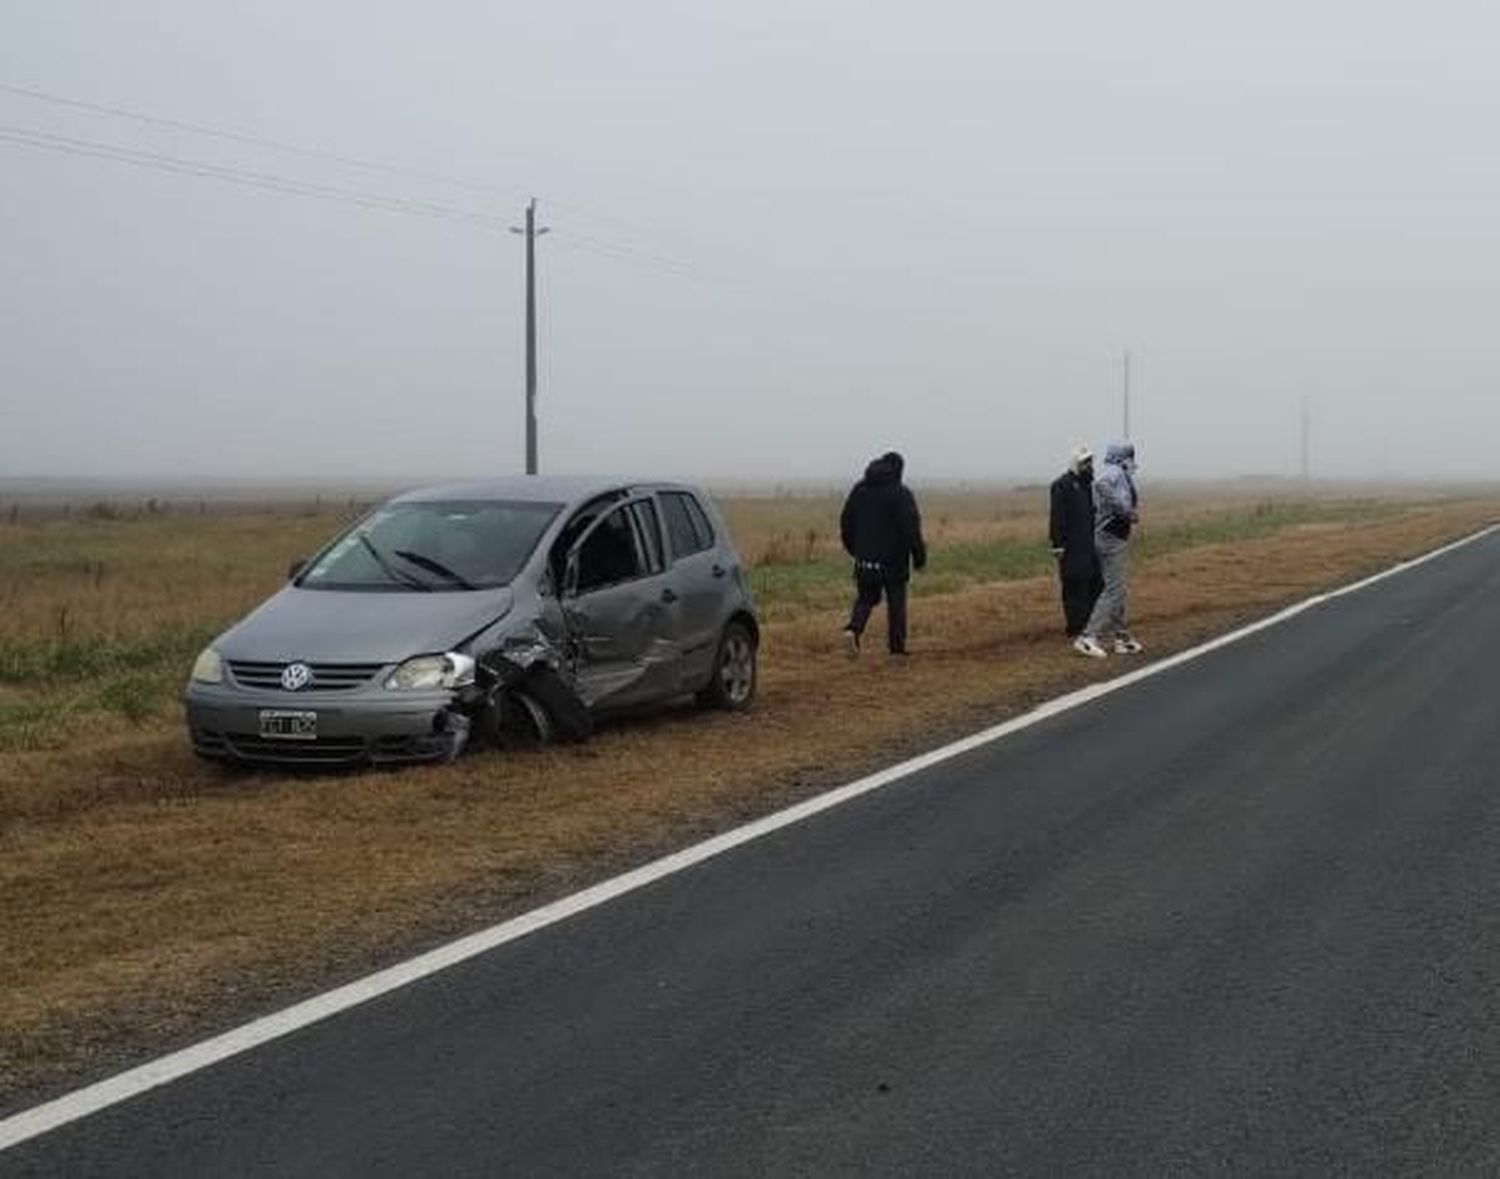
<point x="621" y="611"/>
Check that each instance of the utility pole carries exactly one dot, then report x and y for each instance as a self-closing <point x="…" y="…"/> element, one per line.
<point x="532" y="233"/>
<point x="1126" y="436"/>
<point x="1306" y="448"/>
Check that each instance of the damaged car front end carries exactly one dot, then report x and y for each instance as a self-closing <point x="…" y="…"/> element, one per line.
<point x="503" y="613"/>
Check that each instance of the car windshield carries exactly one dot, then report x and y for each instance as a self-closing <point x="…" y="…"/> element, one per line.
<point x="441" y="546"/>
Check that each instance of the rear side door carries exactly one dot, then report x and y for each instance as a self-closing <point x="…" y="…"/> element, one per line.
<point x="702" y="581"/>
<point x="621" y="610"/>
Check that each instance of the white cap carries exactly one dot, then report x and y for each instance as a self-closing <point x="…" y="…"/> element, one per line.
<point x="1081" y="454"/>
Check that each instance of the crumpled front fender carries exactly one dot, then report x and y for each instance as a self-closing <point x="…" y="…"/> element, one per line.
<point x="530" y="656"/>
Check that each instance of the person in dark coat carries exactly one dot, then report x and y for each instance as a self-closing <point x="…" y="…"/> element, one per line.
<point x="1072" y="533"/>
<point x="882" y="530"/>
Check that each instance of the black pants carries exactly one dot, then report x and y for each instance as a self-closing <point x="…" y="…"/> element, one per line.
<point x="1078" y="597"/>
<point x="870" y="581"/>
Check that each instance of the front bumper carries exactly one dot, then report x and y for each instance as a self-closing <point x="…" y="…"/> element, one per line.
<point x="353" y="728"/>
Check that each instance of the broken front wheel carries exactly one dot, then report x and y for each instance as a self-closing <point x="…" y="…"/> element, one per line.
<point x="533" y="709"/>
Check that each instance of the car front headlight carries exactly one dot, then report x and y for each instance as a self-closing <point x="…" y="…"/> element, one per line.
<point x="208" y="668"/>
<point x="430" y="672"/>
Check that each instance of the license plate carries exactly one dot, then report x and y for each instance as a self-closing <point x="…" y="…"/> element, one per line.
<point x="283" y="725"/>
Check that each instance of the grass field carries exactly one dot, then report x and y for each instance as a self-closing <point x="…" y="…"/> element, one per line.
<point x="145" y="897"/>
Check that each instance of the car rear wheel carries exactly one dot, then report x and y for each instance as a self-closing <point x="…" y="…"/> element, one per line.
<point x="733" y="684"/>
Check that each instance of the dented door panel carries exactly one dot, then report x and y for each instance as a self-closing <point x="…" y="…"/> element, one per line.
<point x="625" y="642"/>
<point x="623" y="635"/>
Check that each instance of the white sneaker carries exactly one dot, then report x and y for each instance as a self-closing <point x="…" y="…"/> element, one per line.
<point x="1088" y="645"/>
<point x="851" y="644"/>
<point x="1126" y="645"/>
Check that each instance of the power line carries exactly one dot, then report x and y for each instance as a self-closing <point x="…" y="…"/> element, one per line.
<point x="623" y="253"/>
<point x="312" y="153"/>
<point x="272" y="182"/>
<point x="275" y="182"/>
<point x="351" y="161"/>
<point x="625" y="223"/>
<point x="119" y="112"/>
<point x="267" y="181"/>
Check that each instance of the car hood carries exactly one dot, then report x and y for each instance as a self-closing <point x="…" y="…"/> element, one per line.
<point x="333" y="626"/>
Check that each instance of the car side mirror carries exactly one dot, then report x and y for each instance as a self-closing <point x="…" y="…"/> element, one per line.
<point x="570" y="576"/>
<point x="295" y="568"/>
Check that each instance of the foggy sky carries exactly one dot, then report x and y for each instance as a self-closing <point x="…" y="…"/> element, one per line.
<point x="787" y="235"/>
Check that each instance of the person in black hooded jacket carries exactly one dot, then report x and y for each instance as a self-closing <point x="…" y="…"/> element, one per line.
<point x="882" y="530"/>
<point x="1072" y="536"/>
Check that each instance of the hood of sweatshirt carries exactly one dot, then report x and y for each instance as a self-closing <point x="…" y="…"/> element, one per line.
<point x="886" y="469"/>
<point x="1120" y="454"/>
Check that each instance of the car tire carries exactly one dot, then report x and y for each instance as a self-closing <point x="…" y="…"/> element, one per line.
<point x="526" y="722"/>
<point x="509" y="720"/>
<point x="732" y="687"/>
<point x="568" y="714"/>
<point x="535" y="708"/>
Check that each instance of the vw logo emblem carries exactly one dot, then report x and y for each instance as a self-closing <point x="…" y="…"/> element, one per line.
<point x="296" y="676"/>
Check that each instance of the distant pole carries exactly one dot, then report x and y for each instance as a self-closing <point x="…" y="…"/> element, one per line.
<point x="1306" y="437"/>
<point x="1126" y="436"/>
<point x="532" y="233"/>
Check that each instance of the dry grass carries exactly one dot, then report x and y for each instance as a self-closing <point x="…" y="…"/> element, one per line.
<point x="145" y="898"/>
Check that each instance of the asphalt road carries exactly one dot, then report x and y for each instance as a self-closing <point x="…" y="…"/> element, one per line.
<point x="1239" y="917"/>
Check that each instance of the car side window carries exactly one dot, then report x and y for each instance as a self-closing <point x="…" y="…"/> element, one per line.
<point x="687" y="525"/>
<point x="650" y="531"/>
<point x="610" y="555"/>
<point x="701" y="526"/>
<point x="576" y="527"/>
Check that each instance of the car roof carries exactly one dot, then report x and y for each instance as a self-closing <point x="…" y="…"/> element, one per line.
<point x="553" y="489"/>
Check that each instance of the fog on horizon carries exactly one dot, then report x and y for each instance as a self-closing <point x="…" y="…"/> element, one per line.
<point x="784" y="237"/>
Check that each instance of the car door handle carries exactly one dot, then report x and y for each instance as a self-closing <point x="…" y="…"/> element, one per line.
<point x="719" y="571"/>
<point x="669" y="594"/>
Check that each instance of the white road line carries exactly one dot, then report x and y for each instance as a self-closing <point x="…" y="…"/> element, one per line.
<point x="82" y="1102"/>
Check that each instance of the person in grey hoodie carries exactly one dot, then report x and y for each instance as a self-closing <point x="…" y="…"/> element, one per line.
<point x="1116" y="512"/>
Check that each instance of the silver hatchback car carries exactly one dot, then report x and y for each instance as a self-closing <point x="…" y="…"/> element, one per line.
<point x="505" y="611"/>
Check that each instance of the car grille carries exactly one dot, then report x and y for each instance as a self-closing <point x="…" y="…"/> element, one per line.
<point x="322" y="751"/>
<point x="326" y="677"/>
